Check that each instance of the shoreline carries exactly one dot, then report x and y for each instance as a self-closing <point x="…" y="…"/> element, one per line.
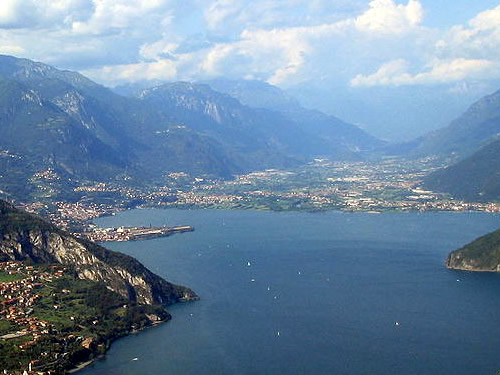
<point x="83" y="365"/>
<point x="470" y="270"/>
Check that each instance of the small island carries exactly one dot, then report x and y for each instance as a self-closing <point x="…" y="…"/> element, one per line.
<point x="483" y="254"/>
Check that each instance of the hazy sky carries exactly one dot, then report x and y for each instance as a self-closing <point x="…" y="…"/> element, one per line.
<point x="352" y="42"/>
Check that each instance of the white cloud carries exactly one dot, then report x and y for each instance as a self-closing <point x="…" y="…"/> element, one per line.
<point x="385" y="75"/>
<point x="219" y="11"/>
<point x="395" y="73"/>
<point x="283" y="42"/>
<point x="11" y="50"/>
<point x="116" y="74"/>
<point x="487" y="20"/>
<point x="17" y="14"/>
<point x="120" y="15"/>
<point x="384" y="16"/>
<point x="279" y="54"/>
<point x="480" y="38"/>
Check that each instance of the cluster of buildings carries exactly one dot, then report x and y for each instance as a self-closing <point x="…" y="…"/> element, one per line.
<point x="390" y="184"/>
<point x="350" y="186"/>
<point x="194" y="198"/>
<point x="17" y="300"/>
<point x="18" y="297"/>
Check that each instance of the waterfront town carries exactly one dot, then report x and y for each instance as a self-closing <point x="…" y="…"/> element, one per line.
<point x="387" y="185"/>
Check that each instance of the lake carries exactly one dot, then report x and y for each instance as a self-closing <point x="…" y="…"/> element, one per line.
<point x="314" y="293"/>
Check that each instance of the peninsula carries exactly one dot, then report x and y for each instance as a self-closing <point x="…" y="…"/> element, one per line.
<point x="483" y="254"/>
<point x="132" y="233"/>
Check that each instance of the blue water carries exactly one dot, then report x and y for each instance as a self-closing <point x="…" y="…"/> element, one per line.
<point x="327" y="291"/>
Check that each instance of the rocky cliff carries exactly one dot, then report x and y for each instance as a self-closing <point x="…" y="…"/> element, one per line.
<point x="26" y="237"/>
<point x="482" y="254"/>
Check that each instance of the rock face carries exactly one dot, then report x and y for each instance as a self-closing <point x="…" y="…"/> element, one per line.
<point x="482" y="254"/>
<point x="25" y="237"/>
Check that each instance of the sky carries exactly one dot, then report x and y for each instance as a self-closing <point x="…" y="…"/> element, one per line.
<point x="351" y="46"/>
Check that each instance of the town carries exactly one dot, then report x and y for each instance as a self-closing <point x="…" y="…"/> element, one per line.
<point x="19" y="293"/>
<point x="389" y="185"/>
<point x="52" y="322"/>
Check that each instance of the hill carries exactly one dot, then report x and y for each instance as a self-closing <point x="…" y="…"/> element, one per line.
<point x="477" y="127"/>
<point x="482" y="254"/>
<point x="24" y="237"/>
<point x="63" y="124"/>
<point x="476" y="178"/>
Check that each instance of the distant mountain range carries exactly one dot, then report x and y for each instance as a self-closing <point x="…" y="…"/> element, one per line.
<point x="83" y="131"/>
<point x="476" y="178"/>
<point x="63" y="122"/>
<point x="478" y="126"/>
<point x="474" y="140"/>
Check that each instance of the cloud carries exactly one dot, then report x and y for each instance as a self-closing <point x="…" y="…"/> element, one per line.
<point x="384" y="16"/>
<point x="479" y="38"/>
<point x="282" y="42"/>
<point x="487" y="20"/>
<point x="18" y="14"/>
<point x="463" y="52"/>
<point x="395" y="73"/>
<point x="11" y="50"/>
<point x="219" y="12"/>
<point x="280" y="54"/>
<point x="116" y="74"/>
<point x="120" y="15"/>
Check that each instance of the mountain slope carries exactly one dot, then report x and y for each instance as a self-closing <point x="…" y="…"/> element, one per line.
<point x="483" y="254"/>
<point x="29" y="238"/>
<point x="476" y="178"/>
<point x="261" y="133"/>
<point x="478" y="126"/>
<point x="60" y="122"/>
<point x="47" y="137"/>
<point x="342" y="139"/>
<point x="255" y="94"/>
<point x="264" y="138"/>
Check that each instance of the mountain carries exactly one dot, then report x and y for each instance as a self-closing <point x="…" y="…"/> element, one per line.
<point x="63" y="124"/>
<point x="394" y="113"/>
<point x="343" y="139"/>
<point x="26" y="237"/>
<point x="478" y="126"/>
<point x="476" y="178"/>
<point x="59" y="121"/>
<point x="262" y="136"/>
<point x="483" y="254"/>
<point x="255" y="94"/>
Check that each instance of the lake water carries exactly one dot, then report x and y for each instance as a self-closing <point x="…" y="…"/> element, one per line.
<point x="300" y="293"/>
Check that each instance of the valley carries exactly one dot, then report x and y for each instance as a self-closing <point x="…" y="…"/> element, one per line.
<point x="392" y="184"/>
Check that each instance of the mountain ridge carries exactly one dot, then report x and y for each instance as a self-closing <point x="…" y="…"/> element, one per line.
<point x="474" y="129"/>
<point x="86" y="132"/>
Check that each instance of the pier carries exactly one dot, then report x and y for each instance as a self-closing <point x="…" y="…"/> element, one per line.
<point x="121" y="234"/>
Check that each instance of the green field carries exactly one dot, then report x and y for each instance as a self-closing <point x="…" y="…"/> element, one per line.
<point x="6" y="278"/>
